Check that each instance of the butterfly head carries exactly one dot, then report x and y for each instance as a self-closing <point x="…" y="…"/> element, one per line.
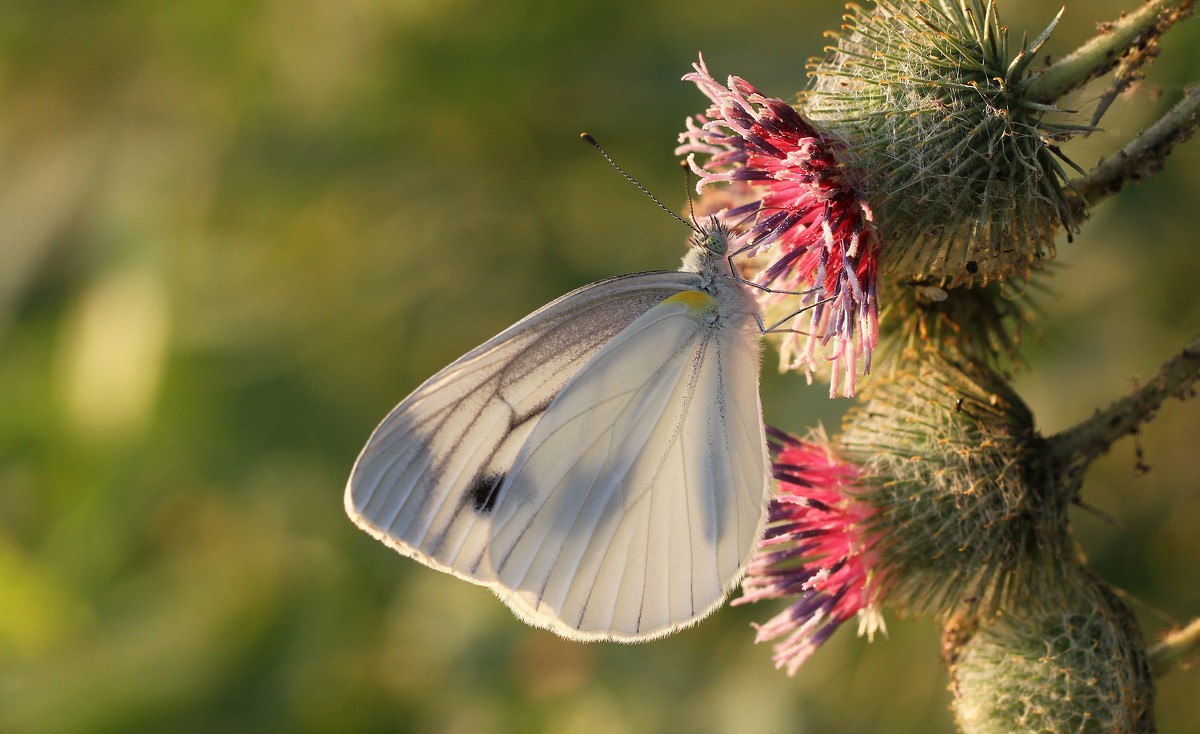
<point x="712" y="237"/>
<point x="711" y="244"/>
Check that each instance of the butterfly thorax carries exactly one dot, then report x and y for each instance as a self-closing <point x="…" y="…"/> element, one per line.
<point x="708" y="257"/>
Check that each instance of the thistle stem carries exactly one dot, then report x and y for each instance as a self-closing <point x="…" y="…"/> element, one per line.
<point x="1075" y="448"/>
<point x="1141" y="158"/>
<point x="1177" y="648"/>
<point x="1105" y="50"/>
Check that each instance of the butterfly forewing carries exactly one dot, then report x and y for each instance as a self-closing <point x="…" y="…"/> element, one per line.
<point x="428" y="479"/>
<point x="644" y="526"/>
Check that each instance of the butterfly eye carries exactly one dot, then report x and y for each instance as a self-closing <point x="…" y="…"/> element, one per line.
<point x="714" y="238"/>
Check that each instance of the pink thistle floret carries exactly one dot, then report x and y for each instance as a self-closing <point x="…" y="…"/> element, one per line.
<point x="814" y="552"/>
<point x="802" y="210"/>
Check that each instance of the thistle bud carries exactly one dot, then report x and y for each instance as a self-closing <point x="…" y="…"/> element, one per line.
<point x="963" y="167"/>
<point x="964" y="511"/>
<point x="1074" y="662"/>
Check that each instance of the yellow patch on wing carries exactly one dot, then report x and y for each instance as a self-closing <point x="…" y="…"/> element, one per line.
<point x="694" y="300"/>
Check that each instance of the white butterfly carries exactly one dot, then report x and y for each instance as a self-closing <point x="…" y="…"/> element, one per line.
<point x="601" y="465"/>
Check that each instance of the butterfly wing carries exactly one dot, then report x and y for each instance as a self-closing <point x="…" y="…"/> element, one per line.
<point x="426" y="481"/>
<point x="639" y="496"/>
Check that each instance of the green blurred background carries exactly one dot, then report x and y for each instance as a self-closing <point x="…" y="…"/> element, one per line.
<point x="234" y="234"/>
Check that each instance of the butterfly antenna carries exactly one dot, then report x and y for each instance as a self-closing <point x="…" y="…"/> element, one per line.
<point x="687" y="189"/>
<point x="592" y="141"/>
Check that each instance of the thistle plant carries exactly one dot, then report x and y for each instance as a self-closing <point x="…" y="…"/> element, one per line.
<point x="912" y="196"/>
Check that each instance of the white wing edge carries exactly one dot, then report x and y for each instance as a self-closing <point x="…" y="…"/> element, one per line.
<point x="533" y="618"/>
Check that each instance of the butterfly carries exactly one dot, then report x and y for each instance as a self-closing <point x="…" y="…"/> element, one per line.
<point x="601" y="465"/>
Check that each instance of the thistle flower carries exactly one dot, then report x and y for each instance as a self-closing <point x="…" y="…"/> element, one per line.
<point x="797" y="203"/>
<point x="814" y="552"/>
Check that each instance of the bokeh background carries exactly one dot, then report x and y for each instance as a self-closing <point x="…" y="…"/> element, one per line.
<point x="233" y="234"/>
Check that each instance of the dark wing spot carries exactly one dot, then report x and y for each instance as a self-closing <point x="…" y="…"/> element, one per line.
<point x="482" y="494"/>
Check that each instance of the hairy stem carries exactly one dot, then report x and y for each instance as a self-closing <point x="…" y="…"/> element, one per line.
<point x="1141" y="158"/>
<point x="1077" y="447"/>
<point x="1129" y="35"/>
<point x="1179" y="647"/>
